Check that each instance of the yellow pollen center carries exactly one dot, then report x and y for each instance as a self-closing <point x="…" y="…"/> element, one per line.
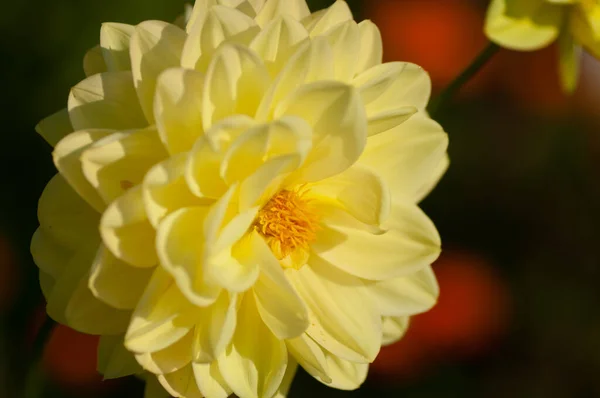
<point x="288" y="221"/>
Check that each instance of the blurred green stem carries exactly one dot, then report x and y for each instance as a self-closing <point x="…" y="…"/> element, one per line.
<point x="34" y="383"/>
<point x="446" y="95"/>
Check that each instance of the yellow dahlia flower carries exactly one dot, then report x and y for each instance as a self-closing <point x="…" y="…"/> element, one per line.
<point x="528" y="25"/>
<point x="239" y="197"/>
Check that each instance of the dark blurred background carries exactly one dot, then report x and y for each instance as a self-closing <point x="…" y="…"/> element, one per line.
<point x="518" y="211"/>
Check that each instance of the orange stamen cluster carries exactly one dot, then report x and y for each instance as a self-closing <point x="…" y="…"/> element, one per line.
<point x="288" y="221"/>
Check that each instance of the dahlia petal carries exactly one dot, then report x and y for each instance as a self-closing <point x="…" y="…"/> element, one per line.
<point x="203" y="169"/>
<point x="345" y="375"/>
<point x="162" y="317"/>
<point x="394" y="328"/>
<point x="266" y="181"/>
<point x="344" y="39"/>
<point x="370" y="204"/>
<point x="114" y="360"/>
<point x="569" y="61"/>
<point x="155" y="46"/>
<point x="48" y="255"/>
<point x="93" y="62"/>
<point x="217" y="25"/>
<point x="181" y="383"/>
<point x="310" y="356"/>
<point x="288" y="378"/>
<point x="115" y="282"/>
<point x="126" y="231"/>
<point x="408" y="157"/>
<point x="289" y="135"/>
<point x="210" y="381"/>
<point x="55" y="127"/>
<point x="180" y="244"/>
<point x="254" y="363"/>
<point x="297" y="9"/>
<point x="313" y="61"/>
<point x="201" y="8"/>
<point x="278" y="41"/>
<point x="114" y="41"/>
<point x="118" y="162"/>
<point x="406" y="295"/>
<point x="62" y="213"/>
<point x="326" y="19"/>
<point x="336" y="112"/>
<point x="409" y="243"/>
<point x="67" y="159"/>
<point x="236" y="81"/>
<point x="523" y="25"/>
<point x="343" y="317"/>
<point x="106" y="101"/>
<point x="178" y="108"/>
<point x="164" y="189"/>
<point x="47" y="283"/>
<point x="280" y="307"/>
<point x="215" y="327"/>
<point x="371" y="46"/>
<point x="169" y="359"/>
<point x="437" y="175"/>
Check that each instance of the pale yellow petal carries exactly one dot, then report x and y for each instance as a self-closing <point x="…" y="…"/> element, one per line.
<point x="438" y="173"/>
<point x="55" y="127"/>
<point x="218" y="25"/>
<point x="201" y="8"/>
<point x="336" y="113"/>
<point x="523" y="25"/>
<point x="406" y="295"/>
<point x="584" y="23"/>
<point x="280" y="307"/>
<point x="65" y="216"/>
<point x="360" y="191"/>
<point x="313" y="61"/>
<point x="178" y="108"/>
<point x="48" y="255"/>
<point x="345" y="375"/>
<point x="164" y="189"/>
<point x="394" y="328"/>
<point x="47" y="283"/>
<point x="310" y="356"/>
<point x="255" y="363"/>
<point x="210" y="381"/>
<point x="155" y="47"/>
<point x="162" y="317"/>
<point x="278" y="41"/>
<point x="115" y="282"/>
<point x="343" y="317"/>
<point x="114" y="360"/>
<point x="371" y="46"/>
<point x="181" y="244"/>
<point x="181" y="383"/>
<point x="409" y="243"/>
<point x="67" y="159"/>
<point x="215" y="328"/>
<point x="324" y="20"/>
<point x="288" y="378"/>
<point x="126" y="231"/>
<point x="408" y="157"/>
<point x="345" y="40"/>
<point x="297" y="9"/>
<point x="236" y="81"/>
<point x="118" y="162"/>
<point x="106" y="101"/>
<point x="93" y="62"/>
<point x="114" y="41"/>
<point x="203" y="169"/>
<point x="169" y="359"/>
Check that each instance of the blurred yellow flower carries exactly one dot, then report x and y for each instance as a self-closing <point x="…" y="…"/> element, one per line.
<point x="240" y="197"/>
<point x="528" y="25"/>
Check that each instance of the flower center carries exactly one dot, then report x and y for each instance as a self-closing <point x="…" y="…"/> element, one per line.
<point x="288" y="222"/>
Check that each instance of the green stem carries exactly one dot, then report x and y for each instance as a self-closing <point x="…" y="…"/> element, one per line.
<point x="482" y="59"/>
<point x="34" y="386"/>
